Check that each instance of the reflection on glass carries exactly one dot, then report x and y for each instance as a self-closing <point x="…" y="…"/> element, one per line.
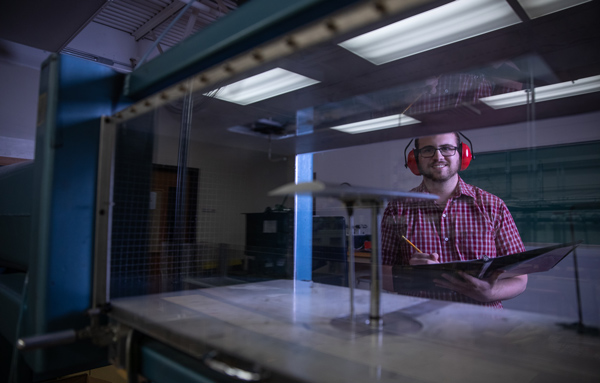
<point x="538" y="8"/>
<point x="545" y="93"/>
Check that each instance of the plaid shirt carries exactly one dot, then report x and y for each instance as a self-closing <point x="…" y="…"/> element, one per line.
<point x="473" y="223"/>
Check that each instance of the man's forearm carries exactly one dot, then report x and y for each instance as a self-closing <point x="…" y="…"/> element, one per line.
<point x="484" y="290"/>
<point x="508" y="288"/>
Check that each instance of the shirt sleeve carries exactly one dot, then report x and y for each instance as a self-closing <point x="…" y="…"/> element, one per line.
<point x="508" y="240"/>
<point x="389" y="241"/>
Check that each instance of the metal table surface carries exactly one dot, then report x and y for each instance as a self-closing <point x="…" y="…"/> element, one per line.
<point x="288" y="327"/>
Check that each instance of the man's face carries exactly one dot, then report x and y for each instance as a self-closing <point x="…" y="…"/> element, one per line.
<point x="439" y="168"/>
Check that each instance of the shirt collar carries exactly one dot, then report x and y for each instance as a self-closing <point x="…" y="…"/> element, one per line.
<point x="462" y="188"/>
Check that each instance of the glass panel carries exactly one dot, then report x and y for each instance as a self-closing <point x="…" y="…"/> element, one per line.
<point x="221" y="229"/>
<point x="230" y="231"/>
<point x="539" y="157"/>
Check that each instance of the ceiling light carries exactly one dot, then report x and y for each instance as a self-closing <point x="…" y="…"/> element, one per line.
<point x="545" y="93"/>
<point x="377" y="124"/>
<point x="458" y="20"/>
<point x="537" y="8"/>
<point x="262" y="86"/>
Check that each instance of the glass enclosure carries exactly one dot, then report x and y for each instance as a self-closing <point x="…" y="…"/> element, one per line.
<point x="192" y="178"/>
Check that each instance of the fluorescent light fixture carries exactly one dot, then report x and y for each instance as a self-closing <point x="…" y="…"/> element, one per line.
<point x="377" y="124"/>
<point x="538" y="8"/>
<point x="262" y="86"/>
<point x="456" y="21"/>
<point x="545" y="93"/>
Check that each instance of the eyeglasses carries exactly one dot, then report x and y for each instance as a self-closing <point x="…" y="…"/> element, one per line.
<point x="429" y="151"/>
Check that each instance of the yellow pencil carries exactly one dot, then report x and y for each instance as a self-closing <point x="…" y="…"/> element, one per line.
<point x="412" y="244"/>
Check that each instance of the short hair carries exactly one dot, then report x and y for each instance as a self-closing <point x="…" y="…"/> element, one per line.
<point x="455" y="133"/>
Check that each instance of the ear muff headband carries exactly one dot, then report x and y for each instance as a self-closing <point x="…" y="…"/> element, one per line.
<point x="466" y="155"/>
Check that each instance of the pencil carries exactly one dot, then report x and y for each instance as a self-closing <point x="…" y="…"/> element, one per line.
<point x="412" y="244"/>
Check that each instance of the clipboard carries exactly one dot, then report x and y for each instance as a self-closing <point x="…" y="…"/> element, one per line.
<point x="420" y="277"/>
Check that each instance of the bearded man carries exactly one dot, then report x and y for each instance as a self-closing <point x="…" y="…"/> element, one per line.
<point x="465" y="223"/>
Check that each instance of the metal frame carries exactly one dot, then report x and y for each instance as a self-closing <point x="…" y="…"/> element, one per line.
<point x="104" y="205"/>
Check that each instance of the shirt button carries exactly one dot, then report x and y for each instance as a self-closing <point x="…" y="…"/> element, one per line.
<point x="444" y="215"/>
<point x="446" y="239"/>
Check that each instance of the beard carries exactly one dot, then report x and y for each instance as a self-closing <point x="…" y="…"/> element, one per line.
<point x="443" y="174"/>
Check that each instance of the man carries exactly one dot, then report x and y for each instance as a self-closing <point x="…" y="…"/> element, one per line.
<point x="465" y="223"/>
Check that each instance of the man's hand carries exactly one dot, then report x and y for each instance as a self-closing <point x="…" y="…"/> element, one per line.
<point x="424" y="258"/>
<point x="484" y="290"/>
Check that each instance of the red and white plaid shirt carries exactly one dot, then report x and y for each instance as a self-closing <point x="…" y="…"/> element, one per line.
<point x="473" y="223"/>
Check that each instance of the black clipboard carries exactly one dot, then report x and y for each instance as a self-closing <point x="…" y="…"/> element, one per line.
<point x="420" y="277"/>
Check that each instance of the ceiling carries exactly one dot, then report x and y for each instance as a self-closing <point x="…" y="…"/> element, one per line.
<point x="46" y="25"/>
<point x="149" y="19"/>
<point x="559" y="47"/>
<point x="52" y="25"/>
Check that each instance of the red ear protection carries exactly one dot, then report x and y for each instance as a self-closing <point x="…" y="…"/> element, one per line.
<point x="466" y="156"/>
<point x="411" y="163"/>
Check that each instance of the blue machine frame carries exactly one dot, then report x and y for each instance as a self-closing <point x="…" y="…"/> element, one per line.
<point x="47" y="283"/>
